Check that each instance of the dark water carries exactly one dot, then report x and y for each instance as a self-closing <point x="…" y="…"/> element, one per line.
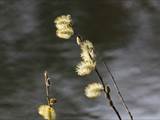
<point x="126" y="33"/>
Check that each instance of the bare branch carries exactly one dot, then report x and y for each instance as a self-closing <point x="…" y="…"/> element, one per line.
<point x="118" y="91"/>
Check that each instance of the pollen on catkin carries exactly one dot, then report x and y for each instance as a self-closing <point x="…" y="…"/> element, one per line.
<point x="93" y="90"/>
<point x="63" y="24"/>
<point x="47" y="112"/>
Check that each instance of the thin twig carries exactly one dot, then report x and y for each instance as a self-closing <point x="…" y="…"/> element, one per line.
<point x="118" y="91"/>
<point x="107" y="93"/>
<point x="47" y="85"/>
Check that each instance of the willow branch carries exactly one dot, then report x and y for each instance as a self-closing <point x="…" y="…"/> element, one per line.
<point x="107" y="94"/>
<point x="118" y="91"/>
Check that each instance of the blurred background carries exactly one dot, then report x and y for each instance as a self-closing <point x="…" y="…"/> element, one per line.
<point x="126" y="34"/>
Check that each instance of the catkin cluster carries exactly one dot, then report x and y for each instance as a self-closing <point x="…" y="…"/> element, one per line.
<point x="88" y="63"/>
<point x="88" y="57"/>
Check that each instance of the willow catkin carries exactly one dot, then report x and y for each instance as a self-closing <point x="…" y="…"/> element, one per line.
<point x="47" y="112"/>
<point x="93" y="90"/>
<point x="85" y="68"/>
<point x="63" y="24"/>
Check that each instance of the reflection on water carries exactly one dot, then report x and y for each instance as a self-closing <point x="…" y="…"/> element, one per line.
<point x="126" y="35"/>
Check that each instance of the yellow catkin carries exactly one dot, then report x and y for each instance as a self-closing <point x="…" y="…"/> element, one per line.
<point x="63" y="24"/>
<point x="93" y="90"/>
<point x="47" y="112"/>
<point x="85" y="68"/>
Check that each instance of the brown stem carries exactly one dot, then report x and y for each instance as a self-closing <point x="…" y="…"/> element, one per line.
<point x="118" y="91"/>
<point x="107" y="93"/>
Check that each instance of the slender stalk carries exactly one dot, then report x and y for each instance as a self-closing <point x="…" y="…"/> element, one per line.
<point x="118" y="91"/>
<point x="47" y="85"/>
<point x="107" y="93"/>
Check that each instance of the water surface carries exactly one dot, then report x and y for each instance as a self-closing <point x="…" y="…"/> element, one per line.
<point x="125" y="34"/>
